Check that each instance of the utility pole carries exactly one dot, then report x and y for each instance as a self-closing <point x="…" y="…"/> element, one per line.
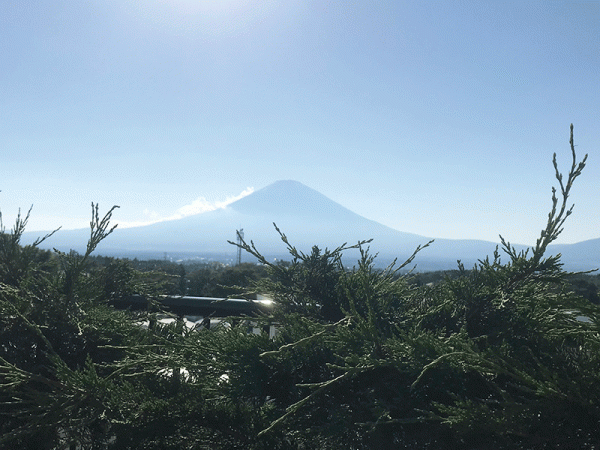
<point x="239" y="236"/>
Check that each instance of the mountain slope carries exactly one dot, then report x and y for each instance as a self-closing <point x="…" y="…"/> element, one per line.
<point x="583" y="255"/>
<point x="308" y="218"/>
<point x="288" y="198"/>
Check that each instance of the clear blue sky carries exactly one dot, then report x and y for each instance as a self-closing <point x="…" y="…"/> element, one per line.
<point x="433" y="117"/>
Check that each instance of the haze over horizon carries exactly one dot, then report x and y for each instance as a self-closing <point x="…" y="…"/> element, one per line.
<point x="434" y="118"/>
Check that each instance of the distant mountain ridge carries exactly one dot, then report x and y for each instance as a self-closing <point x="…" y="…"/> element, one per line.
<point x="308" y="218"/>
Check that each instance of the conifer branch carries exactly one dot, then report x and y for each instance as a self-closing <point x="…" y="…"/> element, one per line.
<point x="306" y="339"/>
<point x="292" y="409"/>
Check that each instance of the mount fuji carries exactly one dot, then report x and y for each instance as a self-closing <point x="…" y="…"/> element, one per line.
<point x="307" y="218"/>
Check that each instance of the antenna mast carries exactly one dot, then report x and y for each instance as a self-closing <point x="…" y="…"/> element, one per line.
<point x="239" y="236"/>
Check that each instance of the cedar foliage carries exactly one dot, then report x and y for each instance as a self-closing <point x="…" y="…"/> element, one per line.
<point x="501" y="356"/>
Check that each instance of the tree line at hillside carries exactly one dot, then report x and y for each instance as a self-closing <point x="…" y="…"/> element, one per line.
<point x="498" y="356"/>
<point x="219" y="280"/>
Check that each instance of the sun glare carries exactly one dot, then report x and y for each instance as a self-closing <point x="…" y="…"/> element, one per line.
<point x="207" y="6"/>
<point x="203" y="16"/>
